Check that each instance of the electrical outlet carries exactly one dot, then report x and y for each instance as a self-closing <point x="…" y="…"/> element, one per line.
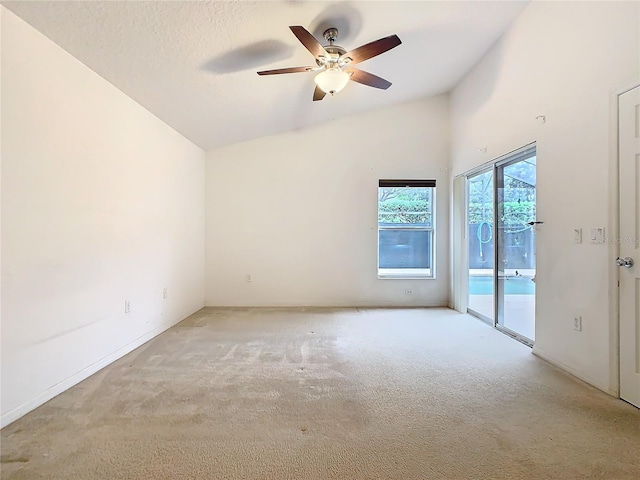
<point x="164" y="293"/>
<point x="577" y="323"/>
<point x="249" y="278"/>
<point x="408" y="292"/>
<point x="127" y="306"/>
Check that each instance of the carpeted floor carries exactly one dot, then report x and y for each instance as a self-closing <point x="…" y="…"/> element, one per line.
<point x="327" y="394"/>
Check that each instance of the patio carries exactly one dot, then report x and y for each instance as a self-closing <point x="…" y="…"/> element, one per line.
<point x="519" y="298"/>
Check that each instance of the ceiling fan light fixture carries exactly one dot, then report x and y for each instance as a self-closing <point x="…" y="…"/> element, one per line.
<point x="332" y="80"/>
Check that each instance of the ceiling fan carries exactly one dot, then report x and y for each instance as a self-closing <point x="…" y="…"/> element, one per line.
<point x="335" y="64"/>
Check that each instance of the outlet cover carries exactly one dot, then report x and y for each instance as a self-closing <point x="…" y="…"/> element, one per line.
<point x="408" y="292"/>
<point x="577" y="323"/>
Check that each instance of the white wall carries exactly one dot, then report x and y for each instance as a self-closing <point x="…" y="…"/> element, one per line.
<point x="563" y="60"/>
<point x="101" y="202"/>
<point x="298" y="211"/>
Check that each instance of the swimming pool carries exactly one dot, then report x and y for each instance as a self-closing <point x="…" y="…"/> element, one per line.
<point x="512" y="286"/>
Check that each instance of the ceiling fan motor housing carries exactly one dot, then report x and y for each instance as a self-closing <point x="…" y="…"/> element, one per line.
<point x="334" y="51"/>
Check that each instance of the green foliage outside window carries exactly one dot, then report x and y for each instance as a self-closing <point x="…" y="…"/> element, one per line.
<point x="404" y="205"/>
<point x="515" y="213"/>
<point x="519" y="203"/>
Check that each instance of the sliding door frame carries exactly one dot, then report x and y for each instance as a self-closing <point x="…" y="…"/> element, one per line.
<point x="507" y="159"/>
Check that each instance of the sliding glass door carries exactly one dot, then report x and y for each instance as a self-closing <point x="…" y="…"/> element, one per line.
<point x="480" y="216"/>
<point x="516" y="246"/>
<point x="501" y="215"/>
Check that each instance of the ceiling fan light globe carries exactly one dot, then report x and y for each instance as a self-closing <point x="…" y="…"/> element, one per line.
<point x="332" y="80"/>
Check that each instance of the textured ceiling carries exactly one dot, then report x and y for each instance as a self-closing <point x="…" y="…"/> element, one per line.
<point x="193" y="64"/>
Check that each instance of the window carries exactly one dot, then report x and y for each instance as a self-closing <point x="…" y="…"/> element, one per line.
<point x="405" y="228"/>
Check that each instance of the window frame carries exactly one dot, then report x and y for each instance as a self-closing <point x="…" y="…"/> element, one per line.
<point x="411" y="274"/>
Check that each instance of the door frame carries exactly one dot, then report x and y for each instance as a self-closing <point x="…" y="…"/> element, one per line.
<point x="614" y="226"/>
<point x="459" y="231"/>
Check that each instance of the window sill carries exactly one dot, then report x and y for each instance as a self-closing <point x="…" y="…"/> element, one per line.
<point x="405" y="274"/>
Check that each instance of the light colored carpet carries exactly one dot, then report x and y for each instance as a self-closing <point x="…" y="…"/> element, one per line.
<point x="327" y="394"/>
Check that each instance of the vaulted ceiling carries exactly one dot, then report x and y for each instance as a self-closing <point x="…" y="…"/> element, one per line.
<point x="193" y="63"/>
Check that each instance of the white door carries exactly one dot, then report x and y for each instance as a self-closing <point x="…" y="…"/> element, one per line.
<point x="629" y="148"/>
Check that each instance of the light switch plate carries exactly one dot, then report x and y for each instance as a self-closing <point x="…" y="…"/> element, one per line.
<point x="577" y="235"/>
<point x="597" y="235"/>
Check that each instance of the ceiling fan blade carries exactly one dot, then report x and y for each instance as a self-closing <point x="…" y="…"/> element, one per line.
<point x="366" y="78"/>
<point x="370" y="50"/>
<point x="279" y="71"/>
<point x="318" y="94"/>
<point x="309" y="41"/>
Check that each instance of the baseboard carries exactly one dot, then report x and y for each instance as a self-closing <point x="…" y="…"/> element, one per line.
<point x="563" y="366"/>
<point x="324" y="305"/>
<point x="21" y="410"/>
